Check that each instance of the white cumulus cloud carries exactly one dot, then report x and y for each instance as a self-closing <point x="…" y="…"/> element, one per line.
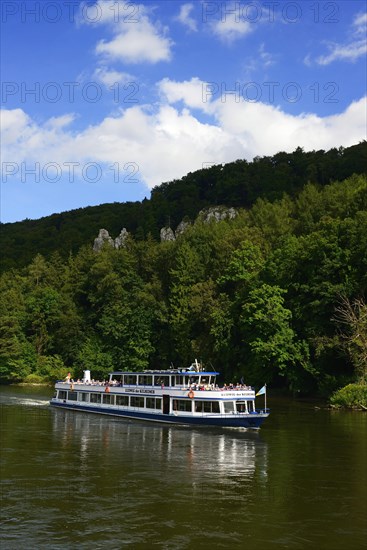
<point x="350" y="50"/>
<point x="136" y="38"/>
<point x="229" y="24"/>
<point x="194" y="93"/>
<point x="230" y="29"/>
<point x="185" y="17"/>
<point x="168" y="142"/>
<point x="108" y="77"/>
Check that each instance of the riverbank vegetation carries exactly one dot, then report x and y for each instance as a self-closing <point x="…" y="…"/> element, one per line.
<point x="275" y="295"/>
<point x="352" y="396"/>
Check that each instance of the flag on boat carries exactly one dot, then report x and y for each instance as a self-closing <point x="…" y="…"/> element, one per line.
<point x="261" y="391"/>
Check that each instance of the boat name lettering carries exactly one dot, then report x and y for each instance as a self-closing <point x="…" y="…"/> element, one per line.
<point x="232" y="394"/>
<point x="138" y="390"/>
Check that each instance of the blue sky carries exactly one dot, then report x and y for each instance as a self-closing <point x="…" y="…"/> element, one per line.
<point x="103" y="100"/>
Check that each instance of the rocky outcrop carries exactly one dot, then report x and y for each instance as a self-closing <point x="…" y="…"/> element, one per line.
<point x="181" y="228"/>
<point x="167" y="234"/>
<point x="120" y="241"/>
<point x="212" y="214"/>
<point x="217" y="214"/>
<point x="104" y="237"/>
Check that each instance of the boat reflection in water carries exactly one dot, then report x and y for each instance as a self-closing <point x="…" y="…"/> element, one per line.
<point x="178" y="455"/>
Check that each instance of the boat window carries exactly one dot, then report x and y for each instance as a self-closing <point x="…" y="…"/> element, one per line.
<point x="108" y="399"/>
<point x="193" y="379"/>
<point x="122" y="400"/>
<point x="161" y="380"/>
<point x="206" y="406"/>
<point x="130" y="379"/>
<point x="62" y="394"/>
<point x="228" y="406"/>
<point x="73" y="396"/>
<point x="241" y="406"/>
<point x="179" y="380"/>
<point x="95" y="397"/>
<point x="84" y="396"/>
<point x="137" y="401"/>
<point x="145" y="380"/>
<point x="251" y="406"/>
<point x="153" y="403"/>
<point x="116" y="379"/>
<point x="182" y="405"/>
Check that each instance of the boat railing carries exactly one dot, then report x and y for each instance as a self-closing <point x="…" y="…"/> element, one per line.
<point x="182" y="387"/>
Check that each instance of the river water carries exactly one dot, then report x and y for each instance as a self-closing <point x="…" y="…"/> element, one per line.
<point x="77" y="480"/>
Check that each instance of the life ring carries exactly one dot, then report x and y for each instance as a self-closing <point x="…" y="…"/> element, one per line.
<point x="191" y="394"/>
<point x="107" y="390"/>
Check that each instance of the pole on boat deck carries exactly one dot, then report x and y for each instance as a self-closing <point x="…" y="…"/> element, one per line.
<point x="261" y="392"/>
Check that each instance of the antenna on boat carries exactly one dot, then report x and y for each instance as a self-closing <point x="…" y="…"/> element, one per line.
<point x="197" y="366"/>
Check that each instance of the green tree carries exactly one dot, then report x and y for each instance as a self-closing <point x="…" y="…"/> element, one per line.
<point x="91" y="356"/>
<point x="186" y="272"/>
<point x="38" y="269"/>
<point x="43" y="313"/>
<point x="274" y="219"/>
<point x="273" y="345"/>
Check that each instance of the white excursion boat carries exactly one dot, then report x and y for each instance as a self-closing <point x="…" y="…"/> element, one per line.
<point x="177" y="396"/>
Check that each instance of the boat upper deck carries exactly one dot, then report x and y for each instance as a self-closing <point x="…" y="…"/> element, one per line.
<point x="183" y="372"/>
<point x="157" y="381"/>
<point x="214" y="390"/>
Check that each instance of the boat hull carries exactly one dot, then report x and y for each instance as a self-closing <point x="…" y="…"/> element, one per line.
<point x="249" y="421"/>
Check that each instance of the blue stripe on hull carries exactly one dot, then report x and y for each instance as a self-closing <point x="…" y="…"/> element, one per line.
<point x="251" y="421"/>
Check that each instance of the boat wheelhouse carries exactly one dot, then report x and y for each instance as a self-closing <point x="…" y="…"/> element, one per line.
<point x="177" y="396"/>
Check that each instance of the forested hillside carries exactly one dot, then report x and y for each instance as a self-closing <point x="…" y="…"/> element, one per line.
<point x="237" y="184"/>
<point x="265" y="296"/>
